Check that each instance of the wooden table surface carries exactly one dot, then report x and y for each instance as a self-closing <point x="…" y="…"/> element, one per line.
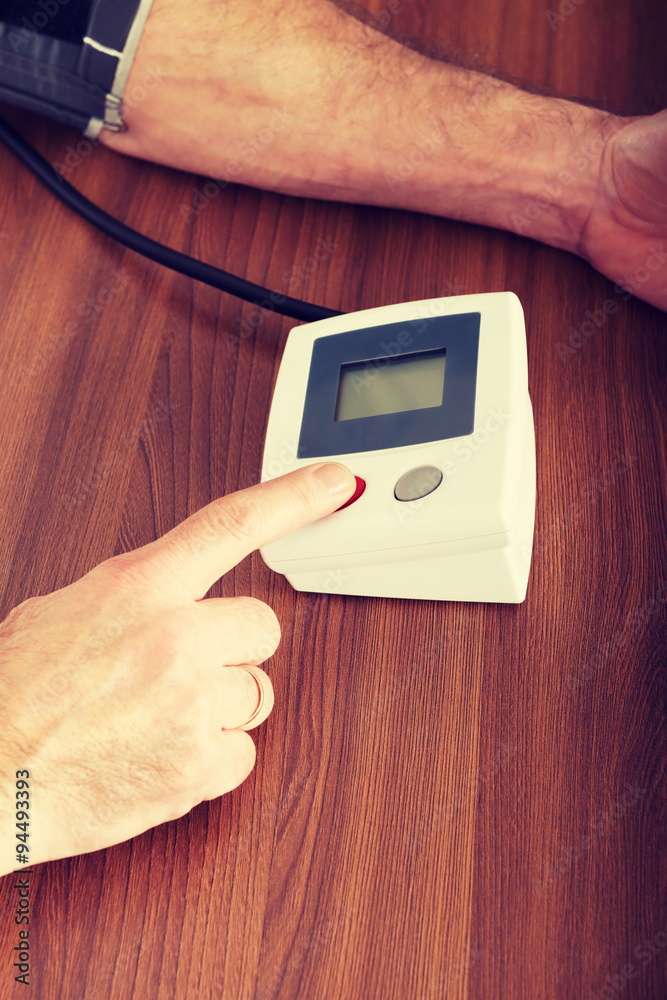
<point x="450" y="800"/>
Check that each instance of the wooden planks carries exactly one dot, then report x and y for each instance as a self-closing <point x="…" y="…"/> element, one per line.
<point x="449" y="800"/>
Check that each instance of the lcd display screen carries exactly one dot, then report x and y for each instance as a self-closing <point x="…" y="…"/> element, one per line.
<point x="391" y="385"/>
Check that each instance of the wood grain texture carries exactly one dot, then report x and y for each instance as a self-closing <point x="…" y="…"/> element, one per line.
<point x="450" y="800"/>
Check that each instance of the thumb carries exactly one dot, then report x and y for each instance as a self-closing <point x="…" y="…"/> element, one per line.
<point x="639" y="166"/>
<point x="208" y="544"/>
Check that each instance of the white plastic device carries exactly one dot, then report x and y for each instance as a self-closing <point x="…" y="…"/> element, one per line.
<point x="428" y="404"/>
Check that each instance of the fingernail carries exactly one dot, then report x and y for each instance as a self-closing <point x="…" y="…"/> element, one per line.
<point x="335" y="478"/>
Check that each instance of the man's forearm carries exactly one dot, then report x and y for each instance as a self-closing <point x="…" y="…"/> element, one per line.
<point x="298" y="97"/>
<point x="358" y="117"/>
<point x="467" y="146"/>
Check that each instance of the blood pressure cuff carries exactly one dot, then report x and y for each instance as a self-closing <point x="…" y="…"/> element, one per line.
<point x="70" y="59"/>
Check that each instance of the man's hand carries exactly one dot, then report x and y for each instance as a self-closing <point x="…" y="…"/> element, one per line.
<point x="125" y="695"/>
<point x="625" y="235"/>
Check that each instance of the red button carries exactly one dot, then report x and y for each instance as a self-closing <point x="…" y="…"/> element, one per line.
<point x="359" y="489"/>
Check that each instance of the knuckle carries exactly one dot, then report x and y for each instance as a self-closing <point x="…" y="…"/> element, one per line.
<point x="28" y="608"/>
<point x="194" y="767"/>
<point x="235" y="516"/>
<point x="261" y="616"/>
<point x="260" y="622"/>
<point x="24" y="613"/>
<point x="169" y="647"/>
<point x="129" y="570"/>
<point x="188" y="753"/>
<point x="301" y="499"/>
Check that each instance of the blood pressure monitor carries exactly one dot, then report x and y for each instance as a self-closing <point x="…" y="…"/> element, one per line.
<point x="427" y="404"/>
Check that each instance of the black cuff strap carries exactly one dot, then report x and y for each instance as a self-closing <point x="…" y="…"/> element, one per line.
<point x="78" y="83"/>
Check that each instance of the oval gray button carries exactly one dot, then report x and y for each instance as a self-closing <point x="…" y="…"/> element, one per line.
<point x="418" y="483"/>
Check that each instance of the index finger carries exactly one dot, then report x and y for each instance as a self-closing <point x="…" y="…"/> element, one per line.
<point x="212" y="541"/>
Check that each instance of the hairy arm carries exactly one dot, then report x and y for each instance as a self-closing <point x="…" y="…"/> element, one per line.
<point x="299" y="97"/>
